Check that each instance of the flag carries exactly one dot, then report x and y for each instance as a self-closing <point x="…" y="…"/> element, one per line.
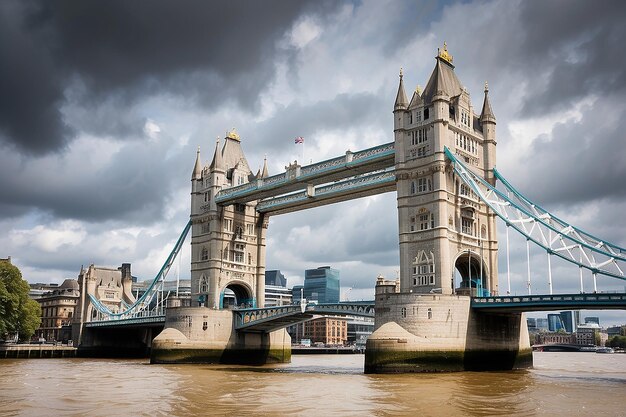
<point x="299" y="139"/>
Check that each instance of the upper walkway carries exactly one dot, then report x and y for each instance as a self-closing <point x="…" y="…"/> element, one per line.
<point x="358" y="164"/>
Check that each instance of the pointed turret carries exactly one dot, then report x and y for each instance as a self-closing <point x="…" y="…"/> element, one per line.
<point x="217" y="163"/>
<point x="416" y="100"/>
<point x="401" y="101"/>
<point x="487" y="114"/>
<point x="264" y="172"/>
<point x="197" y="169"/>
<point x="443" y="81"/>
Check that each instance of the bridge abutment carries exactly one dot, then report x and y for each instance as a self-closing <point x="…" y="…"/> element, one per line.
<point x="203" y="335"/>
<point x="440" y="333"/>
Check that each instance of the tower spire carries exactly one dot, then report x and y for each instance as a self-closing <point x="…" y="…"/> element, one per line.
<point x="264" y="172"/>
<point x="487" y="114"/>
<point x="197" y="169"/>
<point x="217" y="163"/>
<point x="401" y="101"/>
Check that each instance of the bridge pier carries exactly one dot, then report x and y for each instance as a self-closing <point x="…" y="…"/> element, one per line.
<point x="441" y="333"/>
<point x="203" y="335"/>
<point x="118" y="342"/>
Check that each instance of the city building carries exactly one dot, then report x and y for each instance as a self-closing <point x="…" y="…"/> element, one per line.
<point x="276" y="291"/>
<point x="570" y="320"/>
<point x="542" y="324"/>
<point x="170" y="288"/>
<point x="297" y="292"/>
<point x="549" y="338"/>
<point x="57" y="310"/>
<point x="111" y="286"/>
<point x="589" y="334"/>
<point x="323" y="330"/>
<point x="592" y="319"/>
<point x="554" y="322"/>
<point x="359" y="329"/>
<point x="322" y="285"/>
<point x="275" y="278"/>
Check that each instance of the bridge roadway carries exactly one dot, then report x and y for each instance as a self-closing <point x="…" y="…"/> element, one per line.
<point x="272" y="318"/>
<point x="527" y="303"/>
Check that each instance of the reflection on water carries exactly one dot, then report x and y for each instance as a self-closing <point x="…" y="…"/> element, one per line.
<point x="321" y="385"/>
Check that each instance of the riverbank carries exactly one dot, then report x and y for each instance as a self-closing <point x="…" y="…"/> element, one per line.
<point x="26" y="351"/>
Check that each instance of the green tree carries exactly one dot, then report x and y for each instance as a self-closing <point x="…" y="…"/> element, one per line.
<point x="18" y="313"/>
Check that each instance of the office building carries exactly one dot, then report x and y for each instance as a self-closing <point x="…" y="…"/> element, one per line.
<point x="322" y="285"/>
<point x="554" y="322"/>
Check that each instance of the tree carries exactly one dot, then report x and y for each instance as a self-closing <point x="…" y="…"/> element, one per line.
<point x="18" y="313"/>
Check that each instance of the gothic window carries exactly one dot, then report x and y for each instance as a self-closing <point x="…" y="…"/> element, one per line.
<point x="424" y="269"/>
<point x="467" y="225"/>
<point x="412" y="187"/>
<point x="226" y="254"/>
<point x="204" y="254"/>
<point x="239" y="232"/>
<point x="403" y="312"/>
<point x="203" y="286"/>
<point x="411" y="117"/>
<point x="205" y="228"/>
<point x="426" y="221"/>
<point x="241" y="208"/>
<point x="465" y="191"/>
<point x="430" y="313"/>
<point x="207" y="197"/>
<point x="238" y="255"/>
<point x="424" y="185"/>
<point x="412" y="224"/>
<point x="250" y="228"/>
<point x="426" y="113"/>
<point x="418" y="116"/>
<point x="228" y="225"/>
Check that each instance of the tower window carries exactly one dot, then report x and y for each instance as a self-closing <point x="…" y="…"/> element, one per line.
<point x="204" y="254"/>
<point x="426" y="113"/>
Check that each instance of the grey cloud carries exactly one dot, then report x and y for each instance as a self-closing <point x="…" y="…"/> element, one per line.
<point x="209" y="52"/>
<point x="582" y="161"/>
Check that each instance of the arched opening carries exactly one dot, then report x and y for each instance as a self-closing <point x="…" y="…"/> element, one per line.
<point x="237" y="296"/>
<point x="470" y="278"/>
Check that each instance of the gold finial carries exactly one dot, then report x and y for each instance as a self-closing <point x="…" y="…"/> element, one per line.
<point x="418" y="89"/>
<point x="198" y="148"/>
<point x="444" y="54"/>
<point x="400" y="72"/>
<point x="486" y="87"/>
<point x="232" y="134"/>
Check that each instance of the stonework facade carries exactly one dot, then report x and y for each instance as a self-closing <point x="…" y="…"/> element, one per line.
<point x="228" y="242"/>
<point x="443" y="225"/>
<point x="57" y="311"/>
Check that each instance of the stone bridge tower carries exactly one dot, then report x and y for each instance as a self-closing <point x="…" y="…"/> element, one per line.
<point x="444" y="228"/>
<point x="227" y="242"/>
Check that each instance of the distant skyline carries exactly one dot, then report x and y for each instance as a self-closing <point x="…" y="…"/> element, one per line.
<point x="105" y="103"/>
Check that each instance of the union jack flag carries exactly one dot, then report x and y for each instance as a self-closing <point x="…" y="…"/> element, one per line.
<point x="299" y="139"/>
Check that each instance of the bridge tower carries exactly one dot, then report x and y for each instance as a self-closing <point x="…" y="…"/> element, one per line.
<point x="227" y="242"/>
<point x="448" y="241"/>
<point x="444" y="229"/>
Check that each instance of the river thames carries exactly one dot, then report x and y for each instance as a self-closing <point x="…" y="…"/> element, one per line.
<point x="561" y="384"/>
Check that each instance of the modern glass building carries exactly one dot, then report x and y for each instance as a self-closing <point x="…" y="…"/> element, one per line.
<point x="554" y="322"/>
<point x="322" y="284"/>
<point x="275" y="278"/>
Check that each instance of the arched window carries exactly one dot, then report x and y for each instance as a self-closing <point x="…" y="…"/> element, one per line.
<point x="203" y="286"/>
<point x="412" y="187"/>
<point x="204" y="254"/>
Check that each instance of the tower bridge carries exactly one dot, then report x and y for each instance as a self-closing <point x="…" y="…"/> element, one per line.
<point x="442" y="165"/>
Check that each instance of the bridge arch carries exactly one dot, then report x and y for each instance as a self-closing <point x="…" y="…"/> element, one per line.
<point x="467" y="274"/>
<point x="237" y="294"/>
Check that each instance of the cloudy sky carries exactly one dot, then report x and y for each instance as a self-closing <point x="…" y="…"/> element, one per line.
<point x="103" y="105"/>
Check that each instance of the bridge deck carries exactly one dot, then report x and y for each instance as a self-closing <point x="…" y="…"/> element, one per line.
<point x="274" y="318"/>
